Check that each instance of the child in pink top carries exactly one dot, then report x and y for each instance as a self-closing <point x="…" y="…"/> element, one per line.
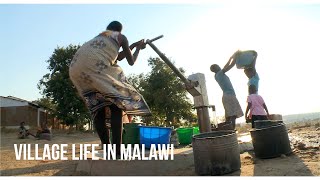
<point x="257" y="106"/>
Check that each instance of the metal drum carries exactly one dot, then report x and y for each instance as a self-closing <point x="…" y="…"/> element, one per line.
<point x="216" y="153"/>
<point x="266" y="123"/>
<point x="275" y="117"/>
<point x="271" y="141"/>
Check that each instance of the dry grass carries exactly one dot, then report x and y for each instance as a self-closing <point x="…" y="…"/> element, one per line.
<point x="8" y="130"/>
<point x="304" y="124"/>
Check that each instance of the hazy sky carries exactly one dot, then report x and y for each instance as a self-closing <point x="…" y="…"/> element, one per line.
<point x="286" y="37"/>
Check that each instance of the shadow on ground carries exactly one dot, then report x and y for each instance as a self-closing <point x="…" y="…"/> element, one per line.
<point x="67" y="170"/>
<point x="290" y="165"/>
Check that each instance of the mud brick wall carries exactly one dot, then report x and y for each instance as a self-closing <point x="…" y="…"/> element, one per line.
<point x="12" y="116"/>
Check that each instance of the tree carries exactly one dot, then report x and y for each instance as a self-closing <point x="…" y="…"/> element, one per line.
<point x="50" y="108"/>
<point x="164" y="93"/>
<point x="58" y="87"/>
<point x="47" y="104"/>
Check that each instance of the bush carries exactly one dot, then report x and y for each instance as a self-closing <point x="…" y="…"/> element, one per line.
<point x="307" y="124"/>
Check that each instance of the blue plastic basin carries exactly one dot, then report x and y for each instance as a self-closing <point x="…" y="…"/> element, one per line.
<point x="154" y="135"/>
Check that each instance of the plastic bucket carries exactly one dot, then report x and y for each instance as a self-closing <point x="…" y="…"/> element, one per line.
<point x="131" y="133"/>
<point x="245" y="59"/>
<point x="196" y="130"/>
<point x="216" y="153"/>
<point x="154" y="135"/>
<point x="185" y="135"/>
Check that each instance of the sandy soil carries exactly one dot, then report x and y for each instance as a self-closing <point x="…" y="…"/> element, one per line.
<point x="304" y="161"/>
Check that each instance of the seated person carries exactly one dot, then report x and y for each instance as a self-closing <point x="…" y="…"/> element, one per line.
<point x="44" y="130"/>
<point x="23" y="132"/>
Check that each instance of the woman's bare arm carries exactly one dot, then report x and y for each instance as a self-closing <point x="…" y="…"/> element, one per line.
<point x="247" y="110"/>
<point x="122" y="54"/>
<point x="231" y="62"/>
<point x="131" y="58"/>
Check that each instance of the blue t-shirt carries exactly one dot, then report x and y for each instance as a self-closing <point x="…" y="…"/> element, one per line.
<point x="224" y="82"/>
<point x="255" y="81"/>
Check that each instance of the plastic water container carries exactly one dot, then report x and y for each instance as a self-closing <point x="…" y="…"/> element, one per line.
<point x="196" y="130"/>
<point x="131" y="133"/>
<point x="245" y="59"/>
<point x="154" y="135"/>
<point x="185" y="135"/>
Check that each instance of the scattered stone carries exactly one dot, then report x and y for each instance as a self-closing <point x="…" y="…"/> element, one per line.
<point x="283" y="156"/>
<point x="312" y="153"/>
<point x="269" y="169"/>
<point x="295" y="150"/>
<point x="311" y="136"/>
<point x="301" y="146"/>
<point x="318" y="129"/>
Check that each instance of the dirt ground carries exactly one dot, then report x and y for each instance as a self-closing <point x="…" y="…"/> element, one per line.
<point x="304" y="161"/>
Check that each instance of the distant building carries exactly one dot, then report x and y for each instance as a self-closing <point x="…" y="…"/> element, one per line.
<point x="15" y="110"/>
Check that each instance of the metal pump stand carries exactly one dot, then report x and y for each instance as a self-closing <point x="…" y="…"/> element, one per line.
<point x="195" y="85"/>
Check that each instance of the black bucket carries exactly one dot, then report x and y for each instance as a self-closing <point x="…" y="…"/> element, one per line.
<point x="216" y="153"/>
<point x="266" y="123"/>
<point x="271" y="141"/>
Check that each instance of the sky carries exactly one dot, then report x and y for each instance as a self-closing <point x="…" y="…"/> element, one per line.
<point x="196" y="35"/>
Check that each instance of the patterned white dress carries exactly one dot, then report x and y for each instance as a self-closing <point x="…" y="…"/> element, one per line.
<point x="100" y="81"/>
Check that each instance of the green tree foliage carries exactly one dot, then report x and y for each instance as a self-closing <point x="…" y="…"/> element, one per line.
<point x="164" y="93"/>
<point x="58" y="87"/>
<point x="47" y="104"/>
